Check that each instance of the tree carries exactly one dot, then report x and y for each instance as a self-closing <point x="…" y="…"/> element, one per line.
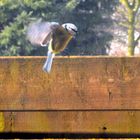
<point x="93" y="18"/>
<point x="132" y="7"/>
<point x="15" y="17"/>
<point x="88" y="15"/>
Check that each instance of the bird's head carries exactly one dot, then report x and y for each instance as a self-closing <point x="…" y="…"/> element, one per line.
<point x="71" y="28"/>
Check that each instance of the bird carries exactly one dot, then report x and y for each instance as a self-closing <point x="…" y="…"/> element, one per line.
<point x="52" y="34"/>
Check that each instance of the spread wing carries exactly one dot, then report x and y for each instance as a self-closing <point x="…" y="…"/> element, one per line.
<point x="40" y="33"/>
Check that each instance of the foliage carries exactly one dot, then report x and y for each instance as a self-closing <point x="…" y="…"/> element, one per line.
<point x="16" y="15"/>
<point x="91" y="16"/>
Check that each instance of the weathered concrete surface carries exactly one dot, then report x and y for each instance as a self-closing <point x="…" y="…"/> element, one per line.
<point x="107" y="122"/>
<point x="2" y="122"/>
<point x="76" y="83"/>
<point x="81" y="95"/>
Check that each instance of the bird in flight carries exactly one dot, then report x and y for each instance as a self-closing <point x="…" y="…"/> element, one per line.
<point x="53" y="35"/>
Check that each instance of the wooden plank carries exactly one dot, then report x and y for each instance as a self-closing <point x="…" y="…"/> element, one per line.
<point x="116" y="122"/>
<point x="75" y="83"/>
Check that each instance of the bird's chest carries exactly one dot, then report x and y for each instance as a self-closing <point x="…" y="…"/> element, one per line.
<point x="60" y="41"/>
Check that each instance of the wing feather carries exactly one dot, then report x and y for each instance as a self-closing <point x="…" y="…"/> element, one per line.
<point x="40" y="33"/>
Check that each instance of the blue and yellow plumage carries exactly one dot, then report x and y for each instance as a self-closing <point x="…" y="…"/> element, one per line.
<point x="57" y="36"/>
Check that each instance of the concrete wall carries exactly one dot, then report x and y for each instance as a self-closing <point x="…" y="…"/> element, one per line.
<point x="81" y="94"/>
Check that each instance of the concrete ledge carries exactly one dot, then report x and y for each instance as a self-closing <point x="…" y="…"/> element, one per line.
<point x="98" y="95"/>
<point x="96" y="122"/>
<point x="75" y="83"/>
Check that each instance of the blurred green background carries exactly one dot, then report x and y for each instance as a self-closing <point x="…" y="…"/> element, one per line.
<point x="92" y="17"/>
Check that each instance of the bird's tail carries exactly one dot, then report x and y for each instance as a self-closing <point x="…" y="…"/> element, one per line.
<point x="48" y="64"/>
